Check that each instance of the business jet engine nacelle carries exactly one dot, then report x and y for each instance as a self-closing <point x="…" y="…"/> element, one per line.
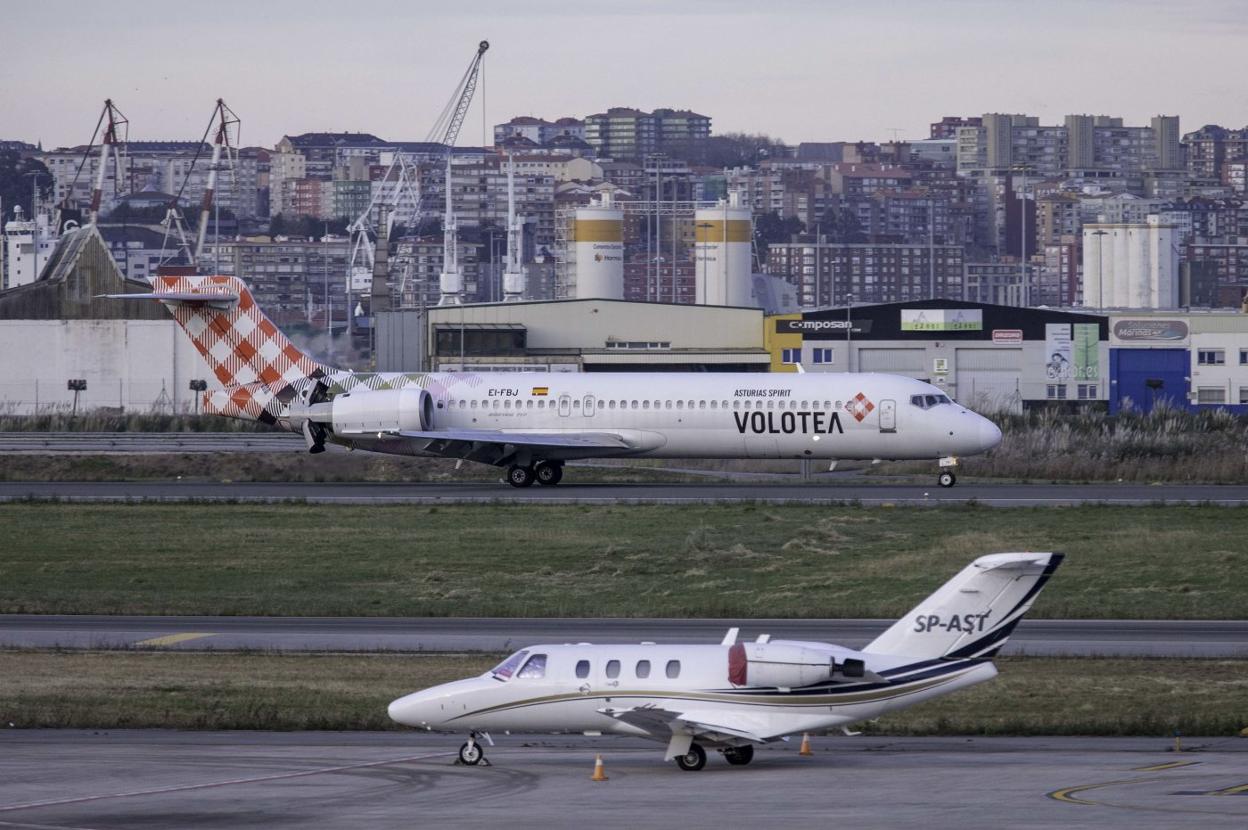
<point x="787" y="665"/>
<point x="386" y="410"/>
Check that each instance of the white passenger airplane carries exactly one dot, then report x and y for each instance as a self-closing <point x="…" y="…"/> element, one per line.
<point x="735" y="696"/>
<point x="532" y="423"/>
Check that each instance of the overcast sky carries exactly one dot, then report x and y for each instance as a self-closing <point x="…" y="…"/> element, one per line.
<point x="802" y="71"/>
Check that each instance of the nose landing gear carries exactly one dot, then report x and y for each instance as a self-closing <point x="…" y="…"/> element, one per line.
<point x="472" y="754"/>
<point x="947" y="477"/>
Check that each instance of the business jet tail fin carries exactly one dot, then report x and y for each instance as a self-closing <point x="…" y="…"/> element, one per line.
<point x="973" y="614"/>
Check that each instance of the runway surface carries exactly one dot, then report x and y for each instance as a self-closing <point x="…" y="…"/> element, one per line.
<point x="160" y="779"/>
<point x="1162" y="638"/>
<point x="994" y="495"/>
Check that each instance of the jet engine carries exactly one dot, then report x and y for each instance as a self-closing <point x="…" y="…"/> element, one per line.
<point x="787" y="665"/>
<point x="386" y="410"/>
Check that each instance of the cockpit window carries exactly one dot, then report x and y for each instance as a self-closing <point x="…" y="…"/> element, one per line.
<point x="505" y="669"/>
<point x="535" y="669"/>
<point x="928" y="401"/>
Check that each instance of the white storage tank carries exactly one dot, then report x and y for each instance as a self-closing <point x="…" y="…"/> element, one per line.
<point x="597" y="239"/>
<point x="722" y="248"/>
<point x="1131" y="265"/>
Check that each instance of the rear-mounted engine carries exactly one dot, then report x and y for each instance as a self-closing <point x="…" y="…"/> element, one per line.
<point x="786" y="665"/>
<point x="387" y="410"/>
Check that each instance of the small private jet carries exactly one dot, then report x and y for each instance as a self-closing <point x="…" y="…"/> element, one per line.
<point x="735" y="696"/>
<point x="530" y="424"/>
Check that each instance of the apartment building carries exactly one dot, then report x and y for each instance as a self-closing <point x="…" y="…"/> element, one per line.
<point x="826" y="273"/>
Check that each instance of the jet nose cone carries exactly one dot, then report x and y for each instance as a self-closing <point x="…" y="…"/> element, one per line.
<point x="989" y="435"/>
<point x="403" y="711"/>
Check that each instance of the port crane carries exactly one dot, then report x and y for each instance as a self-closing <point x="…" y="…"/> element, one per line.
<point x="404" y="176"/>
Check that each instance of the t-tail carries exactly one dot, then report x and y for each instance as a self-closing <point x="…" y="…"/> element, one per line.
<point x="973" y="614"/>
<point x="260" y="369"/>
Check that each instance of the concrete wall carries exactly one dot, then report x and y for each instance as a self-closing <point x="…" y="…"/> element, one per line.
<point x="125" y="363"/>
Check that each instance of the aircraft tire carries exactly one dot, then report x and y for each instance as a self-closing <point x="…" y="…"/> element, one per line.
<point x="693" y="760"/>
<point x="471" y="753"/>
<point x="947" y="479"/>
<point x="739" y="756"/>
<point x="518" y="476"/>
<point x="549" y="473"/>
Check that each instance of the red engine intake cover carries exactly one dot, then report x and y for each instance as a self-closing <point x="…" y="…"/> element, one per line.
<point x="738" y="666"/>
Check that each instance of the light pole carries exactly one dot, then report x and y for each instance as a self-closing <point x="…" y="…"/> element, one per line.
<point x="1022" y="237"/>
<point x="849" y="333"/>
<point x="1100" y="270"/>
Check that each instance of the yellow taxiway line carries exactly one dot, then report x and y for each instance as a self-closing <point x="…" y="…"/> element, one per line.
<point x="173" y="639"/>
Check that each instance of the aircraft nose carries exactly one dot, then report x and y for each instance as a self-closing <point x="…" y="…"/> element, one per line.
<point x="406" y="710"/>
<point x="989" y="435"/>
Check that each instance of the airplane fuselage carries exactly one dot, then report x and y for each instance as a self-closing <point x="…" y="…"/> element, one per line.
<point x="711" y="415"/>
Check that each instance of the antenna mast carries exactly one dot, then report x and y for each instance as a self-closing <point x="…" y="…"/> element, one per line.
<point x="514" y="276"/>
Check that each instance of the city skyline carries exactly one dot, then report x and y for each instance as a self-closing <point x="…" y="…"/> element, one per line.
<point x="289" y="69"/>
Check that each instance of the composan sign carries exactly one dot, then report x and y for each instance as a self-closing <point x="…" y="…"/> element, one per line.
<point x="1008" y="337"/>
<point x="942" y="319"/>
<point x="823" y="329"/>
<point x="1150" y="330"/>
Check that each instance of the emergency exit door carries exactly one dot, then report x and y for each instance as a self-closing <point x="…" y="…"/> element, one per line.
<point x="888" y="416"/>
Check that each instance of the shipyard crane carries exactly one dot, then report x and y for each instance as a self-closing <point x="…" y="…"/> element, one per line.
<point x="115" y="133"/>
<point x="445" y="131"/>
<point x="514" y="275"/>
<point x="226" y="122"/>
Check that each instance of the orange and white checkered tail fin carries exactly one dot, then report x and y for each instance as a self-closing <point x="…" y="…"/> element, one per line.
<point x="258" y="366"/>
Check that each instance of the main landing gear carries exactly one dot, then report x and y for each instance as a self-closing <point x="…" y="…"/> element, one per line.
<point x="693" y="759"/>
<point x="548" y="473"/>
<point x="739" y="756"/>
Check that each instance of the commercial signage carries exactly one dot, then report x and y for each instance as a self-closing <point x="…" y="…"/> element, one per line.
<point x="823" y="329"/>
<point x="1150" y="330"/>
<point x="942" y="319"/>
<point x="1008" y="337"/>
<point x="1072" y="352"/>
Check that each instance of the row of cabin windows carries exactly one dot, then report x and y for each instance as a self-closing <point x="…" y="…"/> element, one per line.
<point x="541" y="403"/>
<point x="641" y="670"/>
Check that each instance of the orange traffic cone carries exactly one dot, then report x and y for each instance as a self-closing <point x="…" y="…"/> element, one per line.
<point x="805" y="750"/>
<point x="600" y="772"/>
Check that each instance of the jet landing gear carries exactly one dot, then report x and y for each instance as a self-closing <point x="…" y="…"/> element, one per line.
<point x="549" y="473"/>
<point x="739" y="756"/>
<point x="546" y="473"/>
<point x="471" y="753"/>
<point x="947" y="478"/>
<point x="518" y="476"/>
<point x="693" y="759"/>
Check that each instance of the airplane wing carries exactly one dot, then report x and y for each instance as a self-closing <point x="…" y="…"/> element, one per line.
<point x="664" y="722"/>
<point x="592" y="440"/>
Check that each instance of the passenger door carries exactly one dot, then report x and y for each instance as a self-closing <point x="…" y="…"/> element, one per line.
<point x="888" y="416"/>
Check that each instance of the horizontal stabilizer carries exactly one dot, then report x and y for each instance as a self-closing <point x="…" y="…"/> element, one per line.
<point x="193" y="297"/>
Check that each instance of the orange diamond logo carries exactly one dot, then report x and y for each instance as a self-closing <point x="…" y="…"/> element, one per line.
<point x="859" y="406"/>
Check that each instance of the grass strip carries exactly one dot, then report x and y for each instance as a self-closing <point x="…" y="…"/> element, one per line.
<point x="738" y="560"/>
<point x="258" y="690"/>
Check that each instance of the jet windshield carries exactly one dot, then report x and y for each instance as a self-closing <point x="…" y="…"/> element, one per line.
<point x="928" y="401"/>
<point x="507" y="668"/>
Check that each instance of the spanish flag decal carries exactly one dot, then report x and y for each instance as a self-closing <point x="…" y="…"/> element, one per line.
<point x="541" y="391"/>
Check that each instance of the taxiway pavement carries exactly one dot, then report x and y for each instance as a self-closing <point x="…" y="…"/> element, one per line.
<point x="161" y="779"/>
<point x="1105" y="638"/>
<point x="570" y="492"/>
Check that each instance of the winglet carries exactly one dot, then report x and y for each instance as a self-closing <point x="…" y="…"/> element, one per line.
<point x="731" y="637"/>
